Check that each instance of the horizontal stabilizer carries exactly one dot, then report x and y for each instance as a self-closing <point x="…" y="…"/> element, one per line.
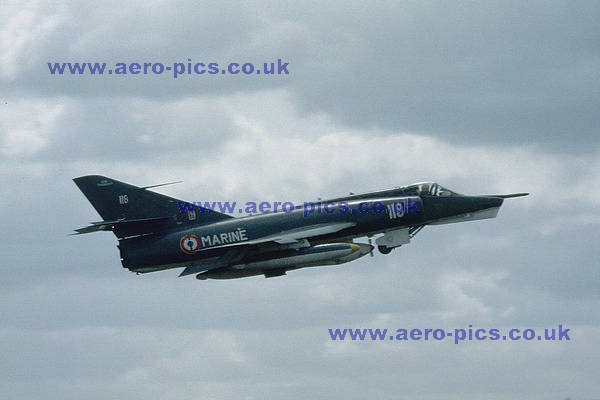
<point x="133" y="225"/>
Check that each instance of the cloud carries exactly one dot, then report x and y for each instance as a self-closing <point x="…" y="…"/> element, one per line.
<point x="28" y="127"/>
<point x="472" y="75"/>
<point x="21" y="37"/>
<point x="484" y="99"/>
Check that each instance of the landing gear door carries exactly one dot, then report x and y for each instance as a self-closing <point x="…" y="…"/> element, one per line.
<point x="394" y="238"/>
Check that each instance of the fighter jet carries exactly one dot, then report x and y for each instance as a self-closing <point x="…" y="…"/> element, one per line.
<point x="157" y="232"/>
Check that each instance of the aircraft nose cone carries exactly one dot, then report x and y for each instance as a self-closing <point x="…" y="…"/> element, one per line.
<point x="490" y="202"/>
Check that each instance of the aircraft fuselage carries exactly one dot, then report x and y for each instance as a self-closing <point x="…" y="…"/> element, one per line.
<point x="157" y="235"/>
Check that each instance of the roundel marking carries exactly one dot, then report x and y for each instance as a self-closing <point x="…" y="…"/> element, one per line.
<point x="189" y="244"/>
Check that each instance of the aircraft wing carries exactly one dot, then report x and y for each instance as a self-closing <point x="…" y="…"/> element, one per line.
<point x="296" y="235"/>
<point x="240" y="249"/>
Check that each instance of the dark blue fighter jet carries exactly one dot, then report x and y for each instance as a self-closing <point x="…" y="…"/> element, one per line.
<point x="157" y="232"/>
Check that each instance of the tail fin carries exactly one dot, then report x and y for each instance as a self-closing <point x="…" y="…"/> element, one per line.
<point x="129" y="210"/>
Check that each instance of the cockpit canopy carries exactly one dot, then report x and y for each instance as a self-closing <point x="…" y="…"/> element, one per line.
<point x="428" y="189"/>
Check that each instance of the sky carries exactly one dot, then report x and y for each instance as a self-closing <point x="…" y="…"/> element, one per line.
<point x="482" y="97"/>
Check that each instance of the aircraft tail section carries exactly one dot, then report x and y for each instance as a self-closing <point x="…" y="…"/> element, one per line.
<point x="128" y="210"/>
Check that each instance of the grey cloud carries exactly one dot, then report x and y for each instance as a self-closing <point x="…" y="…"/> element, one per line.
<point x="510" y="72"/>
<point x="475" y="74"/>
<point x="484" y="98"/>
